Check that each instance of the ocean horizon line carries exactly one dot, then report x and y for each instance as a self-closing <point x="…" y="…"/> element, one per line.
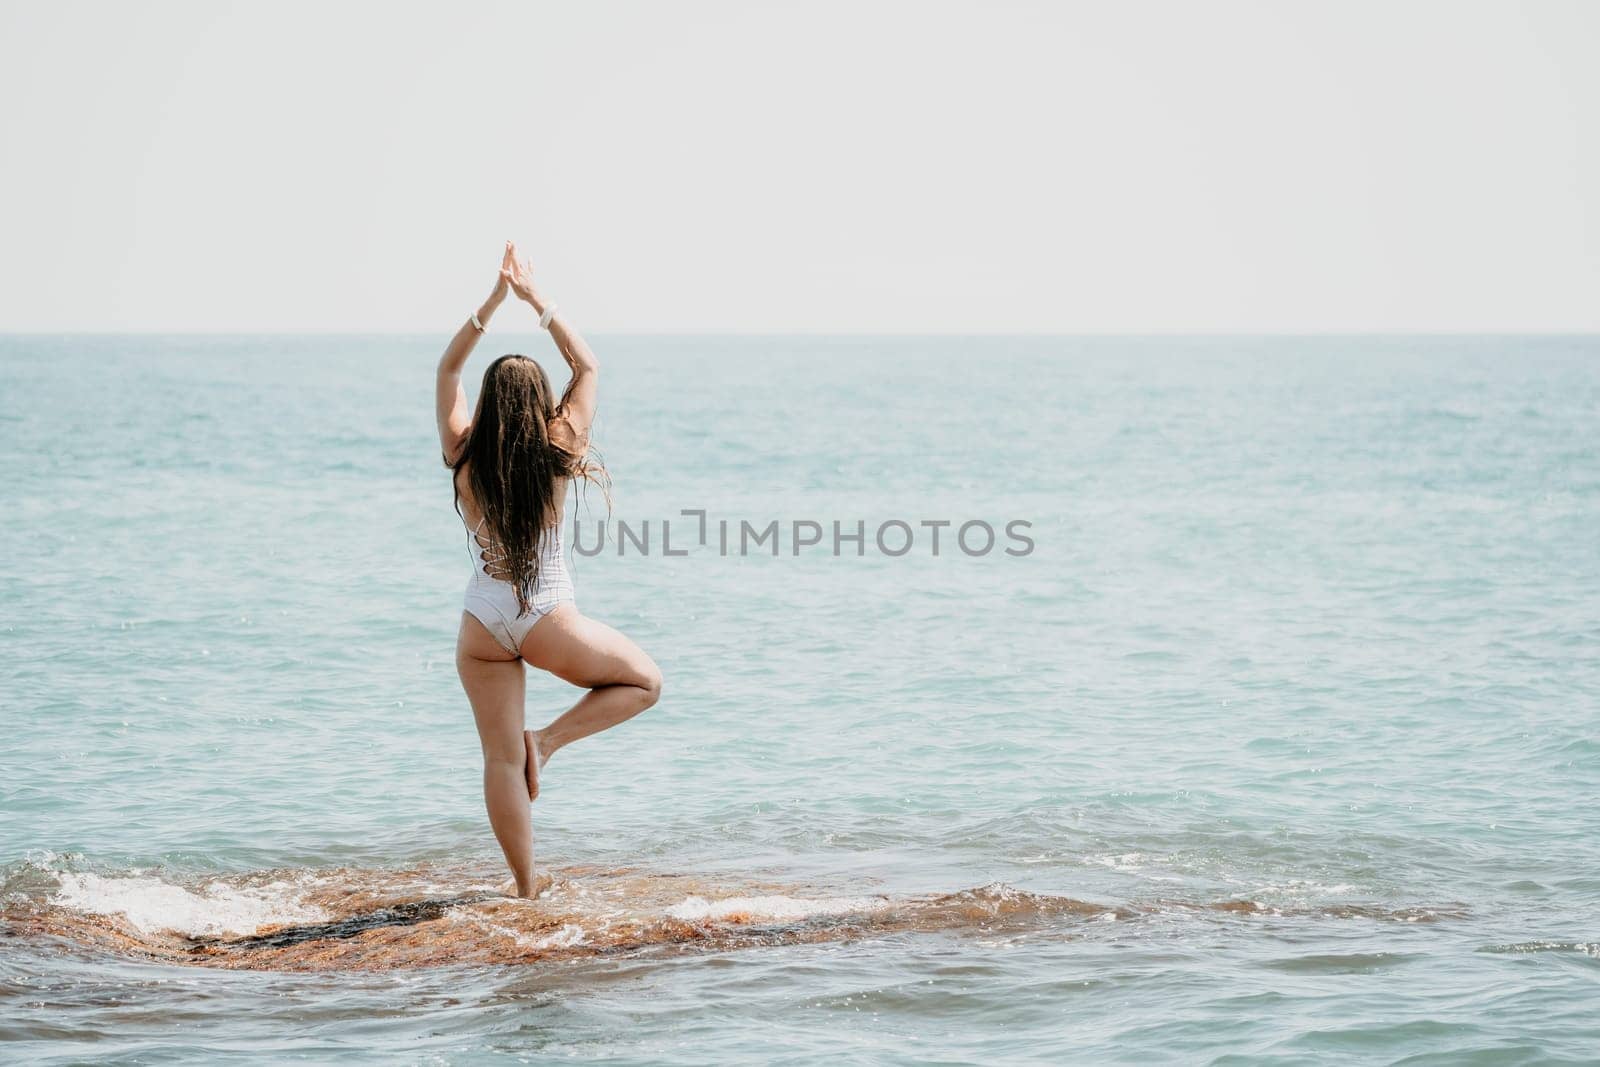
<point x="849" y="334"/>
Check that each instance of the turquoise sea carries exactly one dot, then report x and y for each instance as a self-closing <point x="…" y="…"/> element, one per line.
<point x="1281" y="745"/>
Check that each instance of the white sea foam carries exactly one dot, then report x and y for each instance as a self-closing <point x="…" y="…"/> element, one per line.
<point x="151" y="904"/>
<point x="1306" y="887"/>
<point x="779" y="908"/>
<point x="567" y="936"/>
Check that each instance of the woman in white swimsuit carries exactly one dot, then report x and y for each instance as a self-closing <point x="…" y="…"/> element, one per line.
<point x="512" y="460"/>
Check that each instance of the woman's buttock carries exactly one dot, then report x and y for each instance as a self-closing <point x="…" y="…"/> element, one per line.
<point x="492" y="600"/>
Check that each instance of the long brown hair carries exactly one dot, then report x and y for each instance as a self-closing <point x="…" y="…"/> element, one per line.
<point x="516" y="469"/>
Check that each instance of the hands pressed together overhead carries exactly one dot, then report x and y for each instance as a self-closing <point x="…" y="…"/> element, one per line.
<point x="517" y="276"/>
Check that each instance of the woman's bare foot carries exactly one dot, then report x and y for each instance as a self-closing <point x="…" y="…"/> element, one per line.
<point x="536" y="762"/>
<point x="541" y="882"/>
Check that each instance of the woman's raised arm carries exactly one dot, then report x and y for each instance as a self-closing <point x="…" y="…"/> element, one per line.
<point x="578" y="402"/>
<point x="450" y="399"/>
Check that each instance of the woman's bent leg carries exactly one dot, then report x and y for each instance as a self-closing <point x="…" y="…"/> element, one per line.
<point x="494" y="681"/>
<point x="622" y="680"/>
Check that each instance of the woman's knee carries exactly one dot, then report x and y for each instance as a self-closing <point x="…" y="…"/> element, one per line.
<point x="649" y="684"/>
<point x="504" y="754"/>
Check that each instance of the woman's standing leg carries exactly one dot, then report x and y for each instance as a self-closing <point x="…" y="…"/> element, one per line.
<point x="495" y="684"/>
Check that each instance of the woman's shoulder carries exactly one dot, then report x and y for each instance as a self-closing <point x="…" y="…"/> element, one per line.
<point x="565" y="436"/>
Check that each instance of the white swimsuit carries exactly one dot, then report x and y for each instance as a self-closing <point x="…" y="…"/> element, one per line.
<point x="493" y="601"/>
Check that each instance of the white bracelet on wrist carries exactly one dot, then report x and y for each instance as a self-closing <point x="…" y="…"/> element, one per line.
<point x="544" y="320"/>
<point x="476" y="323"/>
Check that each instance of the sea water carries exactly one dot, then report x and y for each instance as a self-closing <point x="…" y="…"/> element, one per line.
<point x="1278" y="739"/>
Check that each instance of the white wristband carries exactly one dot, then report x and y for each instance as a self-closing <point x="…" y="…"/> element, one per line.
<point x="476" y="323"/>
<point x="544" y="320"/>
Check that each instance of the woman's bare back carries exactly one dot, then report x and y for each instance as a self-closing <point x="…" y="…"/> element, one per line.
<point x="473" y="514"/>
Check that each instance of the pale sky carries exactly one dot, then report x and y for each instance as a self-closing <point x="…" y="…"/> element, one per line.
<point x="816" y="167"/>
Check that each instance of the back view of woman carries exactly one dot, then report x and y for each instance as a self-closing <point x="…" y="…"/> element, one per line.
<point x="512" y="460"/>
